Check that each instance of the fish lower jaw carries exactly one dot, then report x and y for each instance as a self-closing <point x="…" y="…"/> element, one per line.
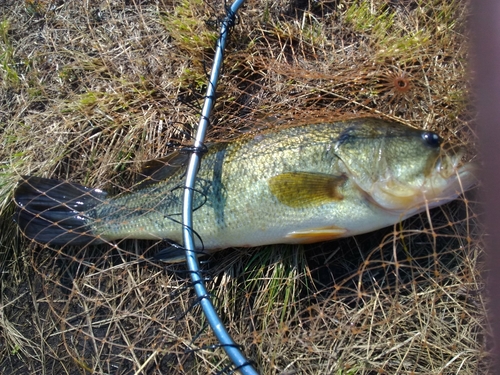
<point x="451" y="188"/>
<point x="394" y="200"/>
<point x="432" y="194"/>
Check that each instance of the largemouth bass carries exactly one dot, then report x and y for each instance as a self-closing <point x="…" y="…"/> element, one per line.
<point x="299" y="184"/>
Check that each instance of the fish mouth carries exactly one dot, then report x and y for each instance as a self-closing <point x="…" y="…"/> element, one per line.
<point x="459" y="176"/>
<point x="463" y="178"/>
<point x="449" y="161"/>
<point x="448" y="178"/>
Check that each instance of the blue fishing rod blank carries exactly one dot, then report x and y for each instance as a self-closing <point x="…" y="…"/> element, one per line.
<point x="226" y="342"/>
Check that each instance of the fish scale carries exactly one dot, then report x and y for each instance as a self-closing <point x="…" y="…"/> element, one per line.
<point x="294" y="184"/>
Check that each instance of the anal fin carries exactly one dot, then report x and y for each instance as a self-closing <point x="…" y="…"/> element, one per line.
<point x="317" y="234"/>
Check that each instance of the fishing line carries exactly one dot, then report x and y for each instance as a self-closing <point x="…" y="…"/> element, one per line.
<point x="201" y="249"/>
<point x="188" y="97"/>
<point x="200" y="150"/>
<point x="236" y="368"/>
<point x="195" y="303"/>
<point x="230" y="369"/>
<point x="181" y="128"/>
<point x="210" y="347"/>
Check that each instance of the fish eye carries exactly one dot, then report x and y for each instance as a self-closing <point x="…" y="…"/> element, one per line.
<point x="431" y="139"/>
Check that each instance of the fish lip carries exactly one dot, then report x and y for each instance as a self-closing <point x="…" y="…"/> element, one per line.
<point x="450" y="164"/>
<point x="464" y="177"/>
<point x="449" y="161"/>
<point x="438" y="189"/>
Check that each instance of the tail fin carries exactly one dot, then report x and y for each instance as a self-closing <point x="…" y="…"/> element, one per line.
<point x="56" y="212"/>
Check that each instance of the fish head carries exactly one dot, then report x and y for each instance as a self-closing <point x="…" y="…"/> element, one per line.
<point x="404" y="169"/>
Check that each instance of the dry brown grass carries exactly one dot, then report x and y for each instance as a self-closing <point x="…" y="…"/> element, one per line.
<point x="89" y="90"/>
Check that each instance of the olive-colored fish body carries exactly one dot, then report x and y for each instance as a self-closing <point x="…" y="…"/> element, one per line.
<point x="291" y="185"/>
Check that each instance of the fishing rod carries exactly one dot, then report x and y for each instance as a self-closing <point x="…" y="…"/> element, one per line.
<point x="226" y="342"/>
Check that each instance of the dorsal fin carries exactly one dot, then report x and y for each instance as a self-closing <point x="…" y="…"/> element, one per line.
<point x="163" y="168"/>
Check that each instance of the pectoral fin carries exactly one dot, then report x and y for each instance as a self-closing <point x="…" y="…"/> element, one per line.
<point x="317" y="234"/>
<point x="304" y="189"/>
